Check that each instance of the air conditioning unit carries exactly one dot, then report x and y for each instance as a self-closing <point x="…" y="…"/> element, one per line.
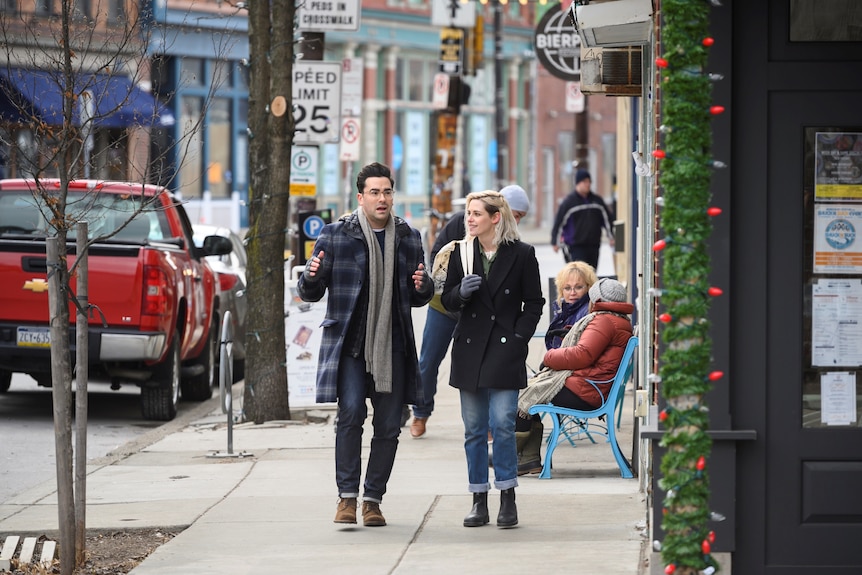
<point x="603" y="23"/>
<point x="612" y="71"/>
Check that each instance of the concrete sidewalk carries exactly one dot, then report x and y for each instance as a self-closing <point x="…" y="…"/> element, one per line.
<point x="272" y="512"/>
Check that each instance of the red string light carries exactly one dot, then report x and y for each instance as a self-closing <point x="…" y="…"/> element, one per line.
<point x="713" y="211"/>
<point x="715" y="291"/>
<point x="665" y="318"/>
<point x="659" y="246"/>
<point x="701" y="463"/>
<point x="670" y="569"/>
<point x="716" y="375"/>
<point x="716" y="110"/>
<point x="708" y="41"/>
<point x="661" y="62"/>
<point x="662" y="416"/>
<point x="705" y="547"/>
<point x="659" y="154"/>
<point x="711" y="536"/>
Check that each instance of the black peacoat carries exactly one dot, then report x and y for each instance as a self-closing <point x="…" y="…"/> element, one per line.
<point x="490" y="343"/>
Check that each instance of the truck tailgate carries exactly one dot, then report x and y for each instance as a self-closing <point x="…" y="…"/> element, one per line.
<point x="114" y="283"/>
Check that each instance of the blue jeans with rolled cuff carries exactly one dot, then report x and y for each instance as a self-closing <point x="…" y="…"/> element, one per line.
<point x="354" y="387"/>
<point x="497" y="408"/>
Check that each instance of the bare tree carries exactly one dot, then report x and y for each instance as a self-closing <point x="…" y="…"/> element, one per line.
<point x="271" y="125"/>
<point x="67" y="110"/>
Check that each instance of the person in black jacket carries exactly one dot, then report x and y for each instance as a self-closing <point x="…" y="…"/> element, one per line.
<point x="439" y="324"/>
<point x="498" y="294"/>
<point x="579" y="223"/>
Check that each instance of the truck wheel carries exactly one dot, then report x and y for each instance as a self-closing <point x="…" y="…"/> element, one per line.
<point x="200" y="387"/>
<point x="159" y="399"/>
<point x="5" y="380"/>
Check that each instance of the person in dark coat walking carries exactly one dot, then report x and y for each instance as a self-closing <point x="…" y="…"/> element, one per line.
<point x="372" y="264"/>
<point x="440" y="324"/>
<point x="498" y="293"/>
<point x="579" y="223"/>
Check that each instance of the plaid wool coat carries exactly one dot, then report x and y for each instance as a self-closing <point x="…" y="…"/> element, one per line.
<point x="343" y="270"/>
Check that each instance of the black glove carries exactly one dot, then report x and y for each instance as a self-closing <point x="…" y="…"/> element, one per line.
<point x="469" y="284"/>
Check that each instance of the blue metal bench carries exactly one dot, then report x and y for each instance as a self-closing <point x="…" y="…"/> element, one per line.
<point x="565" y="420"/>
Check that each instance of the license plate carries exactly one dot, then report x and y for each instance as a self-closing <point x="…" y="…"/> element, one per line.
<point x="34" y="337"/>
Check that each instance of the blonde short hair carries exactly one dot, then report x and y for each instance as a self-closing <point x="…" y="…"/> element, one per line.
<point x="506" y="230"/>
<point x="571" y="269"/>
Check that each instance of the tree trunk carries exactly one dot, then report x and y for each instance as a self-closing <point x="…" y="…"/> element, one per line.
<point x="270" y="42"/>
<point x="82" y="373"/>
<point x="58" y="279"/>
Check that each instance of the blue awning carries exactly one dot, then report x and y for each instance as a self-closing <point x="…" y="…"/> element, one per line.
<point x="117" y="103"/>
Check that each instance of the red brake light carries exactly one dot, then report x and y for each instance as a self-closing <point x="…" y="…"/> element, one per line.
<point x="226" y="281"/>
<point x="155" y="297"/>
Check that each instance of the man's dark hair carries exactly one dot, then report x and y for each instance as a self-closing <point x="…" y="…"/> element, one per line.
<point x="373" y="170"/>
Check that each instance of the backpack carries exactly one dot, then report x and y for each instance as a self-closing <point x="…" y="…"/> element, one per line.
<point x="440" y="267"/>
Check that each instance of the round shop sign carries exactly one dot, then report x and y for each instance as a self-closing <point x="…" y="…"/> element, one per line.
<point x="840" y="234"/>
<point x="558" y="45"/>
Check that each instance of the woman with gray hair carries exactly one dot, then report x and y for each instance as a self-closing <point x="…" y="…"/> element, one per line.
<point x="592" y="350"/>
<point x="498" y="293"/>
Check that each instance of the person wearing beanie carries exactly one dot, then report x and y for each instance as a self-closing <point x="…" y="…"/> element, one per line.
<point x="580" y="219"/>
<point x="439" y="323"/>
<point x="592" y="350"/>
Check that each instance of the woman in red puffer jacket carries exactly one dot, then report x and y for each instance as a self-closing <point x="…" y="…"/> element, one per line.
<point x="595" y="355"/>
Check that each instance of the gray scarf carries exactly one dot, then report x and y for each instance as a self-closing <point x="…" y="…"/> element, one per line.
<point x="378" y="324"/>
<point x="542" y="387"/>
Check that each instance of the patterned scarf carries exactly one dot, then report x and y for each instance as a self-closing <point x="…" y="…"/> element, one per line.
<point x="378" y="323"/>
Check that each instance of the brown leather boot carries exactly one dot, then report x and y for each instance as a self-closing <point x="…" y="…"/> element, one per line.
<point x="346" y="510"/>
<point x="417" y="428"/>
<point x="371" y="515"/>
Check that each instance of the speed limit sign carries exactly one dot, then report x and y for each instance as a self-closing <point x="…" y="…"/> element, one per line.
<point x="316" y="102"/>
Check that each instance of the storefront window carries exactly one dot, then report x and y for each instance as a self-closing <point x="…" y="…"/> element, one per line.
<point x="810" y="22"/>
<point x="219" y="174"/>
<point x="191" y="72"/>
<point x="832" y="350"/>
<point x="190" y="147"/>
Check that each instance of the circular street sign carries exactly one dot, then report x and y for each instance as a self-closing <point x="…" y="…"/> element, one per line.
<point x="350" y="131"/>
<point x="312" y="226"/>
<point x="558" y="45"/>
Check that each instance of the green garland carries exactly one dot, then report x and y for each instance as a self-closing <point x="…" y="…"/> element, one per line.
<point x="685" y="173"/>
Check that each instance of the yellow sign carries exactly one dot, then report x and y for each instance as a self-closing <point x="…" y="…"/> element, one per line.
<point x="451" y="47"/>
<point x="303" y="189"/>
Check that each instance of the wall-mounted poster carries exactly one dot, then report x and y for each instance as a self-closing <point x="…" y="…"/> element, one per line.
<point x="837" y="246"/>
<point x="838" y="170"/>
<point x="836" y="322"/>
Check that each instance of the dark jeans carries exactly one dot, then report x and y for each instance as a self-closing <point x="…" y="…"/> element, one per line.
<point x="583" y="253"/>
<point x="354" y="386"/>
<point x="439" y="328"/>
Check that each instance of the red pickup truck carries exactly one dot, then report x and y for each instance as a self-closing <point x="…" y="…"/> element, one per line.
<point x="157" y="319"/>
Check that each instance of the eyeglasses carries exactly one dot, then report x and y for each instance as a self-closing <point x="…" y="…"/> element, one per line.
<point x="375" y="193"/>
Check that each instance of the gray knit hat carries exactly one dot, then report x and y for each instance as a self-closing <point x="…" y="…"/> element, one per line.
<point x="607" y="289"/>
<point x="517" y="198"/>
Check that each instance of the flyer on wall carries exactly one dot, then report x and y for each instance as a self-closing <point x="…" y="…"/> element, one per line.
<point x="836" y="322"/>
<point x="838" y="173"/>
<point x="837" y="249"/>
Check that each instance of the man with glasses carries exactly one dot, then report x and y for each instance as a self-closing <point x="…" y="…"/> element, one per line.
<point x="372" y="263"/>
<point x="440" y="323"/>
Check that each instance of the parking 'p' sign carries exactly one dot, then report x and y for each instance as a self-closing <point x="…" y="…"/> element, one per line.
<point x="316" y="102"/>
<point x="312" y="225"/>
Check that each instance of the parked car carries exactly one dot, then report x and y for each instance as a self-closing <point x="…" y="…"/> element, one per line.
<point x="156" y="296"/>
<point x="230" y="272"/>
